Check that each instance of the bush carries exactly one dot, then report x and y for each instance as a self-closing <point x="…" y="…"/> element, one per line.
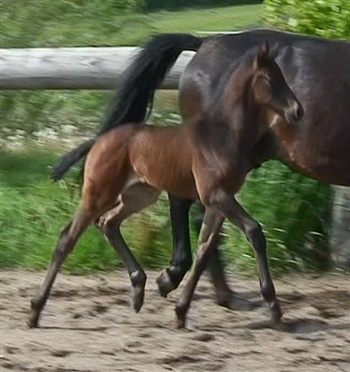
<point x="326" y="18"/>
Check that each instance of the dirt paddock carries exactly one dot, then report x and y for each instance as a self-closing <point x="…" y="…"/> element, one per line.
<point x="88" y="326"/>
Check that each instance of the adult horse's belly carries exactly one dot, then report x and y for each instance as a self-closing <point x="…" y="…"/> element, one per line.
<point x="319" y="145"/>
<point x="327" y="161"/>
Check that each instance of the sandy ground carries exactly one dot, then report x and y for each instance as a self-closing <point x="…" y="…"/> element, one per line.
<point x="88" y="326"/>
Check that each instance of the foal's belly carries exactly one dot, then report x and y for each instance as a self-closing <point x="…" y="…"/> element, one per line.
<point x="163" y="159"/>
<point x="168" y="177"/>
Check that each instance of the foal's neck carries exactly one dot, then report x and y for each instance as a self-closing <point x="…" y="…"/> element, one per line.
<point x="237" y="115"/>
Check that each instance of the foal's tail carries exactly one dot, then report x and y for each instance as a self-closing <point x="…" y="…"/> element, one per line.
<point x="71" y="158"/>
<point x="136" y="92"/>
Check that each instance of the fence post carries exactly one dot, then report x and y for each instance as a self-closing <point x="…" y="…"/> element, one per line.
<point x="340" y="235"/>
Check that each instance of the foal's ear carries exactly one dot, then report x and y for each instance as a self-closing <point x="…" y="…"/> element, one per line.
<point x="263" y="55"/>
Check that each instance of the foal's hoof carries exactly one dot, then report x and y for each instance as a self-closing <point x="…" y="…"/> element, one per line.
<point x="33" y="321"/>
<point x="165" y="284"/>
<point x="138" y="298"/>
<point x="180" y="312"/>
<point x="276" y="315"/>
<point x="138" y="280"/>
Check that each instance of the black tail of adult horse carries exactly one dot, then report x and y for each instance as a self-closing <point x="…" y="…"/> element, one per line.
<point x="135" y="94"/>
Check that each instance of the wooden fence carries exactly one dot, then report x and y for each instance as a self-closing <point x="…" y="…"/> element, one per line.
<point x="101" y="68"/>
<point x="73" y="68"/>
<point x="340" y="236"/>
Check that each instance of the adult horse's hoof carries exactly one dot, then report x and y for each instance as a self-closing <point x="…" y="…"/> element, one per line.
<point x="231" y="301"/>
<point x="165" y="284"/>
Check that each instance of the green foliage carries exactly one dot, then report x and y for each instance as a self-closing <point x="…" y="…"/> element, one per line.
<point x="326" y="18"/>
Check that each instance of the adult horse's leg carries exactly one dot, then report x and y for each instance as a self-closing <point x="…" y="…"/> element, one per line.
<point x="208" y="236"/>
<point x="131" y="201"/>
<point x="181" y="261"/>
<point x="228" y="206"/>
<point x="66" y="242"/>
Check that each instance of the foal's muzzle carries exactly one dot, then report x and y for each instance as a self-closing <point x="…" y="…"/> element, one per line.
<point x="294" y="112"/>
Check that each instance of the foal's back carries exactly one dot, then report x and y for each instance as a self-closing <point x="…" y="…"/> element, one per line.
<point x="159" y="156"/>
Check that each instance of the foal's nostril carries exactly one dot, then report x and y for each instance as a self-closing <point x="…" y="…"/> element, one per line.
<point x="296" y="111"/>
<point x="299" y="113"/>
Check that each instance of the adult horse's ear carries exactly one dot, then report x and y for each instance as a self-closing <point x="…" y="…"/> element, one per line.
<point x="263" y="55"/>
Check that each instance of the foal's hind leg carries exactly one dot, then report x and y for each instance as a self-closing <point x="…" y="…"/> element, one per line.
<point x="228" y="206"/>
<point x="207" y="243"/>
<point x="66" y="242"/>
<point x="131" y="201"/>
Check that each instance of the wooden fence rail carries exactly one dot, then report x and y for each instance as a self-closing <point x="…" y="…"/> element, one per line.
<point x="73" y="68"/>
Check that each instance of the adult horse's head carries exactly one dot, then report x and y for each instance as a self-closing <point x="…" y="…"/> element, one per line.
<point x="271" y="90"/>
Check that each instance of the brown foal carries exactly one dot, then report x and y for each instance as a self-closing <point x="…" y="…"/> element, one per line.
<point x="206" y="159"/>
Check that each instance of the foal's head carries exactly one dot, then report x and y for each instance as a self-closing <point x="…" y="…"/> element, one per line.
<point x="271" y="90"/>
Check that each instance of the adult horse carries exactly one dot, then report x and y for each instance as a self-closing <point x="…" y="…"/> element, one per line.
<point x="317" y="70"/>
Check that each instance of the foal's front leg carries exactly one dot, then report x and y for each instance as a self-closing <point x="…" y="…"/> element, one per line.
<point x="225" y="296"/>
<point x="228" y="206"/>
<point x="209" y="233"/>
<point x="170" y="278"/>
